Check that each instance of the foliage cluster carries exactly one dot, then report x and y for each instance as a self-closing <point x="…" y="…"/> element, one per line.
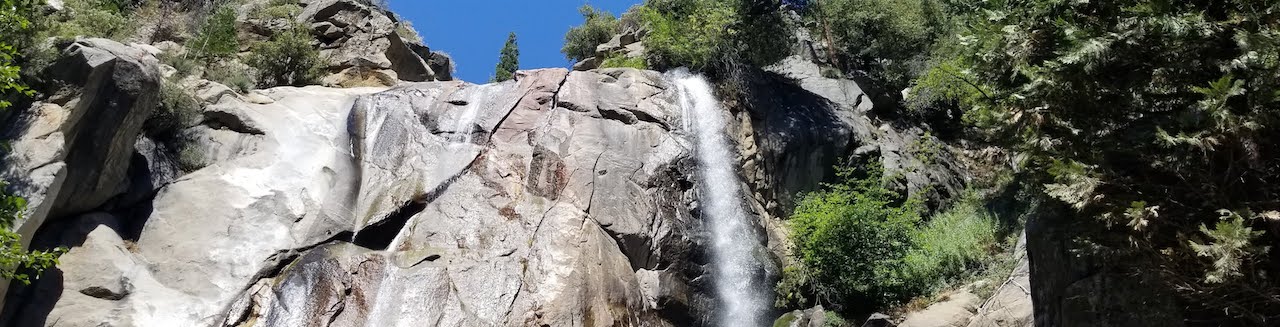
<point x="710" y="36"/>
<point x="288" y="58"/>
<point x="887" y="40"/>
<point x="89" y="18"/>
<point x="278" y="9"/>
<point x="1155" y="118"/>
<point x="713" y="36"/>
<point x="859" y="243"/>
<point x="217" y="37"/>
<point x="598" y="27"/>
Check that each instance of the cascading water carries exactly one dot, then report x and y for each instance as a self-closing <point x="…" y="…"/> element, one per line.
<point x="734" y="243"/>
<point x="465" y="123"/>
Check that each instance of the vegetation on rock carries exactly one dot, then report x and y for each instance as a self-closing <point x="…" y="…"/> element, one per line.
<point x="598" y="27"/>
<point x="288" y="58"/>
<point x="1155" y="119"/>
<point x="218" y="37"/>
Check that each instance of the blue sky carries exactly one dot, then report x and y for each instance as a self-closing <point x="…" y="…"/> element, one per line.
<point x="472" y="31"/>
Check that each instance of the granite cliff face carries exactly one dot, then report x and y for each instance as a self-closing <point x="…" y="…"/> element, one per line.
<point x="551" y="199"/>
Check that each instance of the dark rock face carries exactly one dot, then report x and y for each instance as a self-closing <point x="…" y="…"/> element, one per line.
<point x="800" y="125"/>
<point x="119" y="92"/>
<point x="72" y="153"/>
<point x="1076" y="283"/>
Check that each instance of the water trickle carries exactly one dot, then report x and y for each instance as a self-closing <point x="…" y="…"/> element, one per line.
<point x="465" y="122"/>
<point x="738" y="285"/>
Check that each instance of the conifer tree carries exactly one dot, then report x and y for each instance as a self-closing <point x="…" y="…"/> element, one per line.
<point x="509" y="61"/>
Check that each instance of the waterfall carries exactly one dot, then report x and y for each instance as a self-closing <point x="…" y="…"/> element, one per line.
<point x="738" y="285"/>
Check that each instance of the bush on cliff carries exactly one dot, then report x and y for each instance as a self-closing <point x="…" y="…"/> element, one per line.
<point x="287" y="59"/>
<point x="710" y="36"/>
<point x="89" y="18"/>
<point x="598" y="27"/>
<point x="889" y="40"/>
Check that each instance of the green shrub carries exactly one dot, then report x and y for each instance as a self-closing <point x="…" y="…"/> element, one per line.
<point x="852" y="238"/>
<point x="14" y="29"/>
<point x="189" y="157"/>
<point x="688" y="33"/>
<point x="889" y="39"/>
<point x="620" y="61"/>
<point x="278" y="9"/>
<point x="182" y="63"/>
<point x="88" y="18"/>
<point x="833" y="319"/>
<point x="598" y="27"/>
<point x="218" y="36"/>
<point x="16" y="263"/>
<point x="861" y="244"/>
<point x="287" y="59"/>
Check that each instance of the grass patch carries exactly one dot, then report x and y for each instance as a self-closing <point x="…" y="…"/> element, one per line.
<point x="624" y="62"/>
<point x="177" y="110"/>
<point x="183" y="64"/>
<point x="951" y="243"/>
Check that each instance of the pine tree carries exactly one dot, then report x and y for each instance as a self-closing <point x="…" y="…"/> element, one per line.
<point x="509" y="61"/>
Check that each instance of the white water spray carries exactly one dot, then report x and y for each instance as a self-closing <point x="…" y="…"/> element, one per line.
<point x="737" y="282"/>
<point x="465" y="123"/>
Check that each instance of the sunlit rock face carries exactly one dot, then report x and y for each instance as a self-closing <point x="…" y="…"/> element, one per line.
<point x="555" y="199"/>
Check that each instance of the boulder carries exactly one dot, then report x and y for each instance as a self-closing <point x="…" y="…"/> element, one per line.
<point x="811" y="317"/>
<point x="953" y="311"/>
<point x="442" y="65"/>
<point x="1075" y="282"/>
<point x="587" y="64"/>
<point x="361" y="76"/>
<point x="878" y="320"/>
<point x="357" y="35"/>
<point x="71" y="155"/>
<point x="613" y="45"/>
